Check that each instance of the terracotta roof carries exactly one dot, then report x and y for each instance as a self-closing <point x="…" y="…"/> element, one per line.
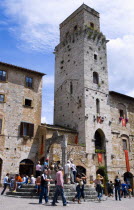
<point x="21" y="68"/>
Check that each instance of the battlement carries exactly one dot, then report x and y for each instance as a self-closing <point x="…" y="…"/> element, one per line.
<point x="86" y="32"/>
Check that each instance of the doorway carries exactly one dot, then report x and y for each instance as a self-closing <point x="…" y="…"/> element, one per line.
<point x="26" y="167"/>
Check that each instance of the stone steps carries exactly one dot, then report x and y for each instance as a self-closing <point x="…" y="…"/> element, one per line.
<point x="29" y="191"/>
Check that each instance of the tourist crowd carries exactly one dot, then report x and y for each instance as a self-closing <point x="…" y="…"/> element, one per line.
<point x="69" y="175"/>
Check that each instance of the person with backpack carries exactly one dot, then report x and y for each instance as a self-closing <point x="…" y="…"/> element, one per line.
<point x="44" y="187"/>
<point x="117" y="184"/>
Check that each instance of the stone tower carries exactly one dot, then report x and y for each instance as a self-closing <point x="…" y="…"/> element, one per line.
<point x="81" y="82"/>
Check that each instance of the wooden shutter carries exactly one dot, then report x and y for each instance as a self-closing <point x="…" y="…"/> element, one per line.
<point x="21" y="128"/>
<point x="31" y="130"/>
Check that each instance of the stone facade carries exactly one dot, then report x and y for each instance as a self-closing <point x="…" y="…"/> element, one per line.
<point x="82" y="98"/>
<point x="20" y="114"/>
<point x="97" y="124"/>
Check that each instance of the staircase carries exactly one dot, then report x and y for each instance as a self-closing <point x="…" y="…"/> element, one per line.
<point x="29" y="191"/>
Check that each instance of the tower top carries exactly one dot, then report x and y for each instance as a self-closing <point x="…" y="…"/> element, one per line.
<point x="82" y="7"/>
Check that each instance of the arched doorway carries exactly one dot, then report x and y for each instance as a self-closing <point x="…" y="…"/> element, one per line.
<point x="128" y="177"/>
<point x="26" y="167"/>
<point x="0" y="168"/>
<point x="99" y="140"/>
<point x="101" y="172"/>
<point x="80" y="170"/>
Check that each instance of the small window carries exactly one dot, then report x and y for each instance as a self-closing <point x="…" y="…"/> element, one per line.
<point x="75" y="27"/>
<point x="95" y="57"/>
<point x="3" y="75"/>
<point x="92" y="25"/>
<point x="0" y="126"/>
<point x="95" y="78"/>
<point x="97" y="106"/>
<point x="26" y="129"/>
<point x="2" y="98"/>
<point x="124" y="144"/>
<point x="71" y="87"/>
<point x="29" y="82"/>
<point x="28" y="102"/>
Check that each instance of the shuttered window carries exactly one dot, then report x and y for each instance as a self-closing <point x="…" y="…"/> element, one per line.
<point x="26" y="129"/>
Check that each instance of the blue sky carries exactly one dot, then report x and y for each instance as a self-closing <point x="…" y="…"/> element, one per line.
<point x="29" y="31"/>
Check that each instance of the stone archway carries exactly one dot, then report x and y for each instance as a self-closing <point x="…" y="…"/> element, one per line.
<point x="57" y="139"/>
<point x="26" y="167"/>
<point x="1" y="161"/>
<point x="99" y="137"/>
<point x="128" y="178"/>
<point x="81" y="169"/>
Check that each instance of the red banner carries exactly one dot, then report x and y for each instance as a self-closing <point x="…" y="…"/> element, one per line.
<point x="127" y="160"/>
<point x="124" y="122"/>
<point x="76" y="140"/>
<point x="99" y="158"/>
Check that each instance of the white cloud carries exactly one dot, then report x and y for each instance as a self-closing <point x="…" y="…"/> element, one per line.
<point x="131" y="93"/>
<point x="48" y="80"/>
<point x="121" y="71"/>
<point x="37" y="21"/>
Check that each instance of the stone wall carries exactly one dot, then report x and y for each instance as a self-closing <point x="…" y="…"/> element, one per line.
<point x="120" y="133"/>
<point x="15" y="148"/>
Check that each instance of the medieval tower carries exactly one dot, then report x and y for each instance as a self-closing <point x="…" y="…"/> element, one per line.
<point x="81" y="83"/>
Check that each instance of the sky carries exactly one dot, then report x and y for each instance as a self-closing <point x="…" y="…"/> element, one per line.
<point x="29" y="32"/>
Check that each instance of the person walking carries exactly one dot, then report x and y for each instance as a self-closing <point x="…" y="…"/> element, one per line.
<point x="81" y="180"/>
<point x="59" y="188"/>
<point x="44" y="187"/>
<point x="6" y="183"/>
<point x="98" y="181"/>
<point x="117" y="188"/>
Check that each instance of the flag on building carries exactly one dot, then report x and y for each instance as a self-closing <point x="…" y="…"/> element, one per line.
<point x="124" y="122"/>
<point x="99" y="157"/>
<point x="127" y="160"/>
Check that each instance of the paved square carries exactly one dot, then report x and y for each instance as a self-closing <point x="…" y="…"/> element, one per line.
<point x="10" y="203"/>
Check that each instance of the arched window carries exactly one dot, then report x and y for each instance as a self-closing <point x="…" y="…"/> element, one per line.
<point x="95" y="78"/>
<point x="124" y="141"/>
<point x="97" y="106"/>
<point x="99" y="140"/>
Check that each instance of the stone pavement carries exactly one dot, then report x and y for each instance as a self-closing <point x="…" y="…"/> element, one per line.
<point x="10" y="203"/>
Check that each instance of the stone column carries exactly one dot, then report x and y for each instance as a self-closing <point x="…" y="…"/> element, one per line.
<point x="64" y="150"/>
